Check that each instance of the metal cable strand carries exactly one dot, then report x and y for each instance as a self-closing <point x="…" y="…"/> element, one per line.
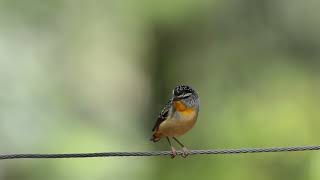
<point x="159" y="153"/>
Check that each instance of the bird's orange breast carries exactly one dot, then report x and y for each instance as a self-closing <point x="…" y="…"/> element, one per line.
<point x="177" y="125"/>
<point x="181" y="108"/>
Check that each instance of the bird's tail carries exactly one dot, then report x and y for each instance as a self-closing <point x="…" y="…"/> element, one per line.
<point x="155" y="138"/>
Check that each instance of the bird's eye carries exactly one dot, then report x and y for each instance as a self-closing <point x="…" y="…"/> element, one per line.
<point x="176" y="92"/>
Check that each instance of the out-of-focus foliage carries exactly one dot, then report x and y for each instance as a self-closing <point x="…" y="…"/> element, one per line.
<point x="91" y="76"/>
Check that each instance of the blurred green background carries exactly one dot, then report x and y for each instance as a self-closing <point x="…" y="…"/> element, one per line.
<point x="91" y="76"/>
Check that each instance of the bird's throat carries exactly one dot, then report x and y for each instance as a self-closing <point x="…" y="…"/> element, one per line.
<point x="179" y="106"/>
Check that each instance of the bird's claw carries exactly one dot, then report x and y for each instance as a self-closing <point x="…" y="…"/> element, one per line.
<point x="173" y="152"/>
<point x="185" y="152"/>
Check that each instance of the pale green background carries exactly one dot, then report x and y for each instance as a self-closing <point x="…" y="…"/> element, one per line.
<point x="91" y="76"/>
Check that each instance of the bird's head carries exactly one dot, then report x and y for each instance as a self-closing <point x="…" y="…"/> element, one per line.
<point x="182" y="92"/>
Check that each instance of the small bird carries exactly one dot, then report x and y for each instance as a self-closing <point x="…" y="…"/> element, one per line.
<point x="177" y="117"/>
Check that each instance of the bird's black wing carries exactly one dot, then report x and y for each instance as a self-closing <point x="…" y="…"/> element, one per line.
<point x="163" y="115"/>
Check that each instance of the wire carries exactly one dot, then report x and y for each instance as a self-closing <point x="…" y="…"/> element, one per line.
<point x="159" y="153"/>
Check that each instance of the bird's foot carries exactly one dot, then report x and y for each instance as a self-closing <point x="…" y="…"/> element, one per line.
<point x="173" y="152"/>
<point x="185" y="152"/>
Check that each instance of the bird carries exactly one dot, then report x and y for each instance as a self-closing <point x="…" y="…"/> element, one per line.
<point x="177" y="117"/>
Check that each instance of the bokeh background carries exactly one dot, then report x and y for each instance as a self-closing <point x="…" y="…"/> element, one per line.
<point x="91" y="76"/>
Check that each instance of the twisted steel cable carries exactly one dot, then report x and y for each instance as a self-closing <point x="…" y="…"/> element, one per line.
<point x="159" y="153"/>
